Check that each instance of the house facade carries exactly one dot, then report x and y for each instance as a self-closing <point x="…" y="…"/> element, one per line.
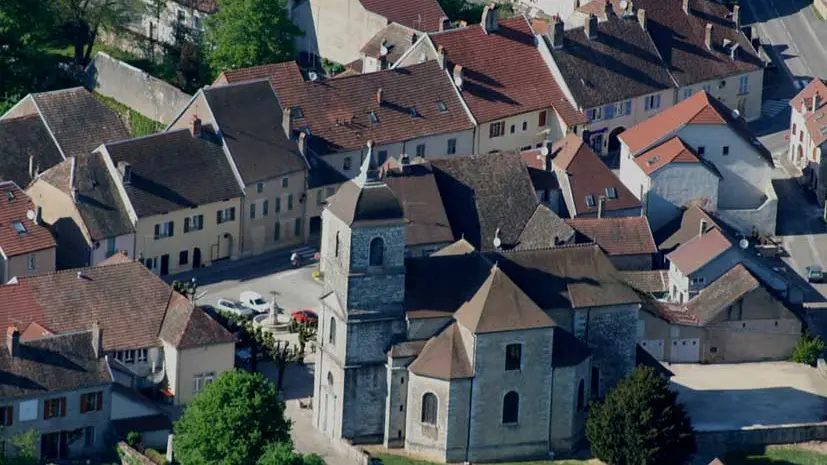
<point x="173" y="21"/>
<point x="808" y="136"/>
<point x="27" y="247"/>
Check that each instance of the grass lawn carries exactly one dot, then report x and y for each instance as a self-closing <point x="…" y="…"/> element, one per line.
<point x="779" y="455"/>
<point x="391" y="459"/>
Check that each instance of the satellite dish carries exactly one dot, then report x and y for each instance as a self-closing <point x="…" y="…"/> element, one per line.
<point x="383" y="50"/>
<point x="743" y="243"/>
<point x="313" y="76"/>
<point x="30" y="214"/>
<point x="736" y="114"/>
<point x="624" y="4"/>
<point x="497" y="242"/>
<point x="544" y="151"/>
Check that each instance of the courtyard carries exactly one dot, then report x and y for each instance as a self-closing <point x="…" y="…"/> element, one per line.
<point x="735" y="396"/>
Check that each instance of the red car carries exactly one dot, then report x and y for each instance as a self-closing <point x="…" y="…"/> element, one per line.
<point x="305" y="316"/>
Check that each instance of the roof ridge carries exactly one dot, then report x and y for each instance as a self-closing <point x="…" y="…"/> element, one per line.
<point x="56" y="335"/>
<point x="550" y="247"/>
<point x="72" y="270"/>
<point x="34" y="115"/>
<point x="56" y="91"/>
<point x="156" y="134"/>
<point x="209" y="88"/>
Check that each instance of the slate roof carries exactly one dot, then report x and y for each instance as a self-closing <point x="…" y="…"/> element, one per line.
<point x="814" y="120"/>
<point x="617" y="236"/>
<point x="422" y="15"/>
<point x="422" y="204"/>
<point x="722" y="293"/>
<point x="504" y="73"/>
<point x="165" y="169"/>
<point x="684" y="228"/>
<point x="100" y="205"/>
<point x="438" y="285"/>
<point x="542" y="178"/>
<point x="396" y="38"/>
<point x="699" y="251"/>
<point x="57" y="363"/>
<point x="79" y="122"/>
<point x="21" y="138"/>
<point x="673" y="150"/>
<point x="128" y="300"/>
<point x="336" y="111"/>
<point x="186" y="326"/>
<point x="15" y="206"/>
<point x="249" y="118"/>
<point x="444" y="357"/>
<point x="287" y="72"/>
<point x="499" y="305"/>
<point x="702" y="109"/>
<point x="371" y="204"/>
<point x="649" y="281"/>
<point x="544" y="229"/>
<point x="622" y="62"/>
<point x="582" y="173"/>
<point x="407" y="348"/>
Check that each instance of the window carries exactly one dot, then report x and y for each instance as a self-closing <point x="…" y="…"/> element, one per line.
<point x="296" y="112"/>
<point x="793" y="133"/>
<point x="452" y="146"/>
<point x="373" y="117"/>
<point x="707" y="88"/>
<point x="525" y="125"/>
<point x="265" y="207"/>
<point x="595" y="391"/>
<point x="319" y="197"/>
<point x="196" y="22"/>
<point x="420" y="150"/>
<point x="89" y="436"/>
<point x="252" y="210"/>
<point x="346" y="164"/>
<point x="687" y="93"/>
<point x="6" y="417"/>
<point x="278" y="204"/>
<point x="611" y="193"/>
<point x="496" y="129"/>
<point x="590" y="201"/>
<point x="701" y="150"/>
<point x="513" y="129"/>
<point x="183" y="257"/>
<point x="429" y="408"/>
<point x="277" y="232"/>
<point x="595" y="114"/>
<point x="201" y="380"/>
<point x="652" y="102"/>
<point x="30" y="262"/>
<point x="91" y="402"/>
<point x="297" y="227"/>
<point x="800" y="138"/>
<point x="225" y="216"/>
<point x="53" y="408"/>
<point x="110" y="246"/>
<point x="624" y="108"/>
<point x="289" y="202"/>
<point x="725" y="150"/>
<point x="336" y="250"/>
<point x="331" y="332"/>
<point x="525" y="148"/>
<point x="513" y="357"/>
<point x="511" y="408"/>
<point x="142" y="353"/>
<point x="19" y="227"/>
<point x="377" y="252"/>
<point x="743" y="84"/>
<point x="165" y="229"/>
<point x="581" y="395"/>
<point x="260" y="187"/>
<point x="713" y="350"/>
<point x="609" y="111"/>
<point x="541" y="120"/>
<point x="181" y="16"/>
<point x="194" y="223"/>
<point x="128" y="356"/>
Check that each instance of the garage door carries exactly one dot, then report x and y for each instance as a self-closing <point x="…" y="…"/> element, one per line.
<point x="686" y="350"/>
<point x="654" y="347"/>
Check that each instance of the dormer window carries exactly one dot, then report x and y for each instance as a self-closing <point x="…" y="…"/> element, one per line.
<point x="590" y="201"/>
<point x="611" y="193"/>
<point x="374" y="119"/>
<point x="441" y="106"/>
<point x="19" y="227"/>
<point x="296" y="112"/>
<point x="414" y="114"/>
<point x="10" y="195"/>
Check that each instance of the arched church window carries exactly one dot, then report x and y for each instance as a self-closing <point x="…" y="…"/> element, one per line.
<point x="377" y="252"/>
<point x="429" y="408"/>
<point x="511" y="408"/>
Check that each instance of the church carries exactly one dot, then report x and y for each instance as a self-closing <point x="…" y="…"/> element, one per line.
<point x="463" y="355"/>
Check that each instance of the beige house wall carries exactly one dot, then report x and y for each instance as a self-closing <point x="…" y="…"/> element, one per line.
<point x="638" y="114"/>
<point x="533" y="135"/>
<point x="211" y="240"/>
<point x="260" y="232"/>
<point x="18" y="265"/>
<point x="213" y="359"/>
<point x="727" y="90"/>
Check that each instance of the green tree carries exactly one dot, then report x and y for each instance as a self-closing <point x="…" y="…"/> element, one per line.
<point x="82" y="20"/>
<point x="641" y="423"/>
<point x="23" y="450"/>
<point x="24" y="29"/>
<point x="231" y="422"/>
<point x="808" y="349"/>
<point x="283" y="454"/>
<point x="248" y="33"/>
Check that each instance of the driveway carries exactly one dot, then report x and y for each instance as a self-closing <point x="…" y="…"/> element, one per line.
<point x="734" y="396"/>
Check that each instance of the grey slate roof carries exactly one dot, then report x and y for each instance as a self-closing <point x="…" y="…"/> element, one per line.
<point x="427" y="221"/>
<point x="56" y="363"/>
<point x="21" y="138"/>
<point x="372" y="204"/>
<point x="249" y="117"/>
<point x="167" y="172"/>
<point x="544" y="229"/>
<point x="79" y="122"/>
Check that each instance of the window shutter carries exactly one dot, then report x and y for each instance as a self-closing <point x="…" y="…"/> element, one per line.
<point x="200" y="222"/>
<point x="62" y="406"/>
<point x="657" y="101"/>
<point x="83" y="403"/>
<point x="218" y="217"/>
<point x="646" y="103"/>
<point x="171" y="228"/>
<point x="628" y="107"/>
<point x="45" y="409"/>
<point x="157" y="231"/>
<point x="100" y="400"/>
<point x="232" y="214"/>
<point x="9" y="416"/>
<point x="542" y="121"/>
<point x="186" y="225"/>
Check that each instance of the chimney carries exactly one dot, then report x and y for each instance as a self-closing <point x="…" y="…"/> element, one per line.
<point x="703" y="228"/>
<point x="97" y="339"/>
<point x="733" y="52"/>
<point x="196" y="127"/>
<point x="302" y="143"/>
<point x="458" y="76"/>
<point x="489" y="18"/>
<point x="13" y="341"/>
<point x="591" y="27"/>
<point x="736" y="16"/>
<point x="687" y="8"/>
<point x="31" y="166"/>
<point x="607" y="9"/>
<point x="379" y="95"/>
<point x="382" y="59"/>
<point x="641" y="18"/>
<point x="816" y="101"/>
<point x="600" y="202"/>
<point x="287" y="122"/>
<point x="708" y="36"/>
<point x="413" y="37"/>
<point x="556" y="32"/>
<point x="441" y="56"/>
<point x="126" y="171"/>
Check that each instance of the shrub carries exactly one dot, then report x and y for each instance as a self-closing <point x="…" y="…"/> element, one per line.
<point x="156" y="456"/>
<point x="133" y="438"/>
<point x="808" y="350"/>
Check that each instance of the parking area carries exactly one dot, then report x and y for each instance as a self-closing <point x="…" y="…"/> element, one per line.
<point x="734" y="396"/>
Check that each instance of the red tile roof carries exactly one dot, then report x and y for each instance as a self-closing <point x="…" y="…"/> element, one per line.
<point x="422" y="15"/>
<point x="617" y="236"/>
<point x="671" y="151"/>
<point x="336" y="111"/>
<point x="586" y="174"/>
<point x="699" y="251"/>
<point x="278" y="73"/>
<point x="15" y="205"/>
<point x="816" y="121"/>
<point x="504" y="73"/>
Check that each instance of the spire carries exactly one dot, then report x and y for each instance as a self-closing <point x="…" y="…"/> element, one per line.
<point x="369" y="173"/>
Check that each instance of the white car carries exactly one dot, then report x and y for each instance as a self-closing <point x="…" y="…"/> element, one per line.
<point x="234" y="307"/>
<point x="255" y="301"/>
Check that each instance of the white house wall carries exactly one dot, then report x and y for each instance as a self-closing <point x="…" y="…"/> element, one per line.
<point x="727" y="90"/>
<point x="675" y="186"/>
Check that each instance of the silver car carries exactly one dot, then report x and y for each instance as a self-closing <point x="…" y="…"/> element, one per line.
<point x="234" y="307"/>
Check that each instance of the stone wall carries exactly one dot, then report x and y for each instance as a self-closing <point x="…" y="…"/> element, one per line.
<point x="762" y="218"/>
<point x="149" y="96"/>
<point x="761" y="436"/>
<point x="611" y="333"/>
<point x="396" y="408"/>
<point x="425" y="439"/>
<point x="365" y="396"/>
<point x="567" y="422"/>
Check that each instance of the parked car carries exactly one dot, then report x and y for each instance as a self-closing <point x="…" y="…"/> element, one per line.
<point x="305" y="316"/>
<point x="815" y="274"/>
<point x="235" y="307"/>
<point x="255" y="301"/>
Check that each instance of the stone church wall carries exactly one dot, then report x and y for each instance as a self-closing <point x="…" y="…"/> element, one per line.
<point x="612" y="335"/>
